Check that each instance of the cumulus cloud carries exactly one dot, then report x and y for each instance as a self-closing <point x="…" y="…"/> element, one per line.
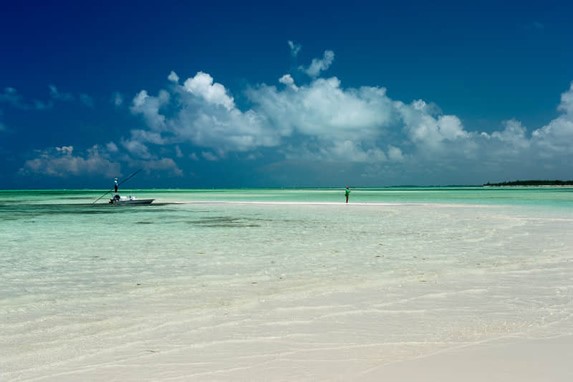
<point x="321" y="122"/>
<point x="323" y="109"/>
<point x="428" y="130"/>
<point x="513" y="136"/>
<point x="62" y="162"/>
<point x="150" y="108"/>
<point x="288" y="81"/>
<point x="173" y="77"/>
<point x="395" y="154"/>
<point x="555" y="138"/>
<point x="202" y="113"/>
<point x="136" y="148"/>
<point x="167" y="165"/>
<point x="566" y="105"/>
<point x="319" y="65"/>
<point x="111" y="147"/>
<point x="202" y="85"/>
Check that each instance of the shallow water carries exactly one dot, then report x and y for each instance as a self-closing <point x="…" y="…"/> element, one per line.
<point x="392" y="275"/>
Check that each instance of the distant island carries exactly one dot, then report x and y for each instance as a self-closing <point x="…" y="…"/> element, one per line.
<point x="531" y="183"/>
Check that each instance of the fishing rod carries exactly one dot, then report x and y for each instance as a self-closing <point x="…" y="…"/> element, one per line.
<point x="119" y="184"/>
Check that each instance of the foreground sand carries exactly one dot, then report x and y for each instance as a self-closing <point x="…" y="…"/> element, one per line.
<point x="333" y="337"/>
<point x="241" y="292"/>
<point x="502" y="360"/>
<point x="499" y="361"/>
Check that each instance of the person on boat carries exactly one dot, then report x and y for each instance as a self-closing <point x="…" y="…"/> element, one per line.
<point x="347" y="193"/>
<point x="115" y="185"/>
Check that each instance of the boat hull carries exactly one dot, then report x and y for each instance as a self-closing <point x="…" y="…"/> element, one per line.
<point x="135" y="202"/>
<point x="129" y="201"/>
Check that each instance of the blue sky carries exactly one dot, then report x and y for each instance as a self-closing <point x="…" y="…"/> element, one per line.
<point x="284" y="93"/>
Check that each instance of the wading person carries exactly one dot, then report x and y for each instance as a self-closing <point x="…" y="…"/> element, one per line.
<point x="115" y="185"/>
<point x="347" y="193"/>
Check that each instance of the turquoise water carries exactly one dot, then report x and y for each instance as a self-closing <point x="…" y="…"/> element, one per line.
<point x="558" y="197"/>
<point x="549" y="197"/>
<point x="86" y="288"/>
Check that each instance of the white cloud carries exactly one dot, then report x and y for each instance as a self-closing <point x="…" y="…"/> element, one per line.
<point x="223" y="131"/>
<point x="395" y="154"/>
<point x="205" y="116"/>
<point x="167" y="165"/>
<point x="566" y="105"/>
<point x="321" y="121"/>
<point x="319" y="65"/>
<point x="288" y="81"/>
<point x="555" y="138"/>
<point x="66" y="150"/>
<point x="323" y="109"/>
<point x="427" y="130"/>
<point x="111" y="147"/>
<point x="514" y="135"/>
<point x="61" y="162"/>
<point x="173" y="77"/>
<point x="136" y="148"/>
<point x="150" y="108"/>
<point x="202" y="85"/>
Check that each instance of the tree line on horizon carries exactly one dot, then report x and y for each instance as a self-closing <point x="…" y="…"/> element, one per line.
<point x="531" y="183"/>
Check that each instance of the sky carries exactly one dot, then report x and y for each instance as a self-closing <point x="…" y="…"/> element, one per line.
<point x="202" y="94"/>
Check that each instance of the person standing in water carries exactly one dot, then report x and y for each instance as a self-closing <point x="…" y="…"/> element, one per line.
<point x="347" y="193"/>
<point x="115" y="185"/>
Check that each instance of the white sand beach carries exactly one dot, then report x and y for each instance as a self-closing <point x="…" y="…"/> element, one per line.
<point x="497" y="361"/>
<point x="283" y="292"/>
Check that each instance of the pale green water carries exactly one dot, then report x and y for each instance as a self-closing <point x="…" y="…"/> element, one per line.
<point x="560" y="197"/>
<point x="84" y="285"/>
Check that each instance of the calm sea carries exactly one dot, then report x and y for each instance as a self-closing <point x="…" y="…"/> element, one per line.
<point x="85" y="285"/>
<point x="561" y="197"/>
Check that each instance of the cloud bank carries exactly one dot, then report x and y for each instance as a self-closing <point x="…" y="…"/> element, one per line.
<point x="319" y="126"/>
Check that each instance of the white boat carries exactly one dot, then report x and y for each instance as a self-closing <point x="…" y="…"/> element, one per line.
<point x="128" y="200"/>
